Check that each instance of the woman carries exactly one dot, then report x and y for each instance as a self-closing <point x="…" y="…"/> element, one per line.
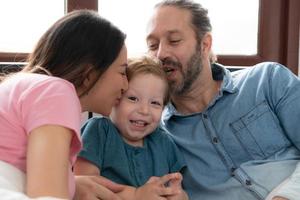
<point x="70" y="71"/>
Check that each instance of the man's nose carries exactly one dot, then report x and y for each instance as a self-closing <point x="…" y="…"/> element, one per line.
<point x="162" y="51"/>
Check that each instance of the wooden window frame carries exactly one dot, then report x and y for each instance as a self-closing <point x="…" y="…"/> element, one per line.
<point x="277" y="42"/>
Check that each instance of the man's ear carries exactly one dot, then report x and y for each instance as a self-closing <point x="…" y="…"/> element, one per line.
<point x="206" y="44"/>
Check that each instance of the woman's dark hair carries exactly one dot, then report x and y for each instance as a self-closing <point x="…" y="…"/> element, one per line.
<point x="79" y="41"/>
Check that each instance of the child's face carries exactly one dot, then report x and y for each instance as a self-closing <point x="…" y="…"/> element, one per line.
<point x="139" y="110"/>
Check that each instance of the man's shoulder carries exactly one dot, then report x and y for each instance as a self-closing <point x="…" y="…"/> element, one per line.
<point x="258" y="71"/>
<point x="259" y="68"/>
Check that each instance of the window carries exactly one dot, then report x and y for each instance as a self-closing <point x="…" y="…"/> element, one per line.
<point x="234" y="22"/>
<point x="23" y="22"/>
<point x="235" y="26"/>
<point x="132" y="20"/>
<point x="276" y="23"/>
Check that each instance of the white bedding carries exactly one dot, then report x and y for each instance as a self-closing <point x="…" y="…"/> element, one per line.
<point x="12" y="184"/>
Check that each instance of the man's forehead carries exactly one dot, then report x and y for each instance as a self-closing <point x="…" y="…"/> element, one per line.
<point x="167" y="33"/>
<point x="168" y="19"/>
<point x="169" y="14"/>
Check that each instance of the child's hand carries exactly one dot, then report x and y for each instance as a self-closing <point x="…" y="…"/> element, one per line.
<point x="155" y="188"/>
<point x="175" y="183"/>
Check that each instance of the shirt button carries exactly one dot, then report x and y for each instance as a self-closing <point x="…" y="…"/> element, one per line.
<point x="248" y="182"/>
<point x="215" y="140"/>
<point x="232" y="171"/>
<point x="205" y="116"/>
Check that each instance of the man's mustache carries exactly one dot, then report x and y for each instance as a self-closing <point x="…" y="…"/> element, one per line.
<point x="170" y="62"/>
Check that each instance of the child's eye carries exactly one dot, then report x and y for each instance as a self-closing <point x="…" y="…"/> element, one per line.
<point x="132" y="98"/>
<point x="157" y="103"/>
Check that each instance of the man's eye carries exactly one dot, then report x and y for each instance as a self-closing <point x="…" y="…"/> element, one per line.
<point x="152" y="47"/>
<point x="175" y="41"/>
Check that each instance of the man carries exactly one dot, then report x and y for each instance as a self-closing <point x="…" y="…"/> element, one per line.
<point x="239" y="132"/>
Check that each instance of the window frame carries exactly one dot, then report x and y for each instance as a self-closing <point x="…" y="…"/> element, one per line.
<point x="278" y="21"/>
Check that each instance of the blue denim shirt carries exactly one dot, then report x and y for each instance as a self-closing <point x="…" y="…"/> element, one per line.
<point x="247" y="141"/>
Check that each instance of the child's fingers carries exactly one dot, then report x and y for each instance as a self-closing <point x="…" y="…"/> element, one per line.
<point x="168" y="177"/>
<point x="176" y="181"/>
<point x="167" y="184"/>
<point x="167" y="191"/>
<point x="178" y="176"/>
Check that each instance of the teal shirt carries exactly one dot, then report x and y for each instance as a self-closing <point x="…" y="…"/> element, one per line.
<point x="126" y="164"/>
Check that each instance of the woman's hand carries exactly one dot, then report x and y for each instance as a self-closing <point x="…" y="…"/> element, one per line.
<point x="95" y="188"/>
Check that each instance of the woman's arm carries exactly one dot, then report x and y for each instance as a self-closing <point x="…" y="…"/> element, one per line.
<point x="89" y="183"/>
<point x="84" y="167"/>
<point x="48" y="161"/>
<point x="153" y="190"/>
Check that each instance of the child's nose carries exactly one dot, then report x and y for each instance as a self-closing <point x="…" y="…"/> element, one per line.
<point x="144" y="108"/>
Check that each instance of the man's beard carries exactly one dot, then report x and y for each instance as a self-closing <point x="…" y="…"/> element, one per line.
<point x="194" y="68"/>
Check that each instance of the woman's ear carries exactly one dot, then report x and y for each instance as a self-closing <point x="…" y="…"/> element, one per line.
<point x="89" y="79"/>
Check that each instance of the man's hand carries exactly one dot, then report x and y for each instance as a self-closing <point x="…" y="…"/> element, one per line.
<point x="95" y="188"/>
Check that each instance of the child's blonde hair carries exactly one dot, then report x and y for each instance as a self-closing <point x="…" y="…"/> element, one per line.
<point x="148" y="65"/>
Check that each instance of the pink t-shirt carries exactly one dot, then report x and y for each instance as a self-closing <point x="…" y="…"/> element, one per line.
<point x="28" y="101"/>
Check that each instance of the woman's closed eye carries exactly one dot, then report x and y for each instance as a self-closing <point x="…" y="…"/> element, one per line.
<point x="123" y="72"/>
